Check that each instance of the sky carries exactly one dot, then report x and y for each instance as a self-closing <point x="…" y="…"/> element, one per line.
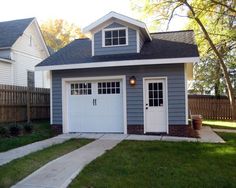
<point x="79" y="12"/>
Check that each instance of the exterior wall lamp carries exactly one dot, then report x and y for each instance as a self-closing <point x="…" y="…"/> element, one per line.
<point x="132" y="81"/>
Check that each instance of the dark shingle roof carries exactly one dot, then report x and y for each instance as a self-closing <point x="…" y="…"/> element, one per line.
<point x="175" y="44"/>
<point x="10" y="31"/>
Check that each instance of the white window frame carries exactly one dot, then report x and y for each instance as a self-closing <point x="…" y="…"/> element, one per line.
<point x="112" y="29"/>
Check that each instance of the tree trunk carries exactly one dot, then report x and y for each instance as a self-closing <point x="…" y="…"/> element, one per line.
<point x="221" y="61"/>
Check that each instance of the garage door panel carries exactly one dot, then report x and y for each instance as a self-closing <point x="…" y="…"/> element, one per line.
<point x="95" y="106"/>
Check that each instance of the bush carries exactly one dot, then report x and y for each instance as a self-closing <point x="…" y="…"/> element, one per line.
<point x="4" y="131"/>
<point x="15" y="130"/>
<point x="28" y="128"/>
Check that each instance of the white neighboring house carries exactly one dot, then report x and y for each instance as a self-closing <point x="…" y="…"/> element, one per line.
<point x="21" y="48"/>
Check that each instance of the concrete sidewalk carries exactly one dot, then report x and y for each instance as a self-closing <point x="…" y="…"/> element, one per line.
<point x="60" y="172"/>
<point x="209" y="136"/>
<point x="206" y="135"/>
<point x="10" y="155"/>
<point x="225" y="130"/>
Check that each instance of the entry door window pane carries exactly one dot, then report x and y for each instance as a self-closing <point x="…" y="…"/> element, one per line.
<point x="155" y="94"/>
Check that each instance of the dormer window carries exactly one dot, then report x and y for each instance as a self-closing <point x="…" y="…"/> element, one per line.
<point x="115" y="37"/>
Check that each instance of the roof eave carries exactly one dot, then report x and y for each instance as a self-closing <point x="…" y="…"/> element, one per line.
<point x="119" y="63"/>
<point x="5" y="48"/>
<point x="6" y="60"/>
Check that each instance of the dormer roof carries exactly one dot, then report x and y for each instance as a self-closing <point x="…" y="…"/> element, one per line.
<point x="116" y="16"/>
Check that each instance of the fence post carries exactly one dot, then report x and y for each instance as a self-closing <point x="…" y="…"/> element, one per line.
<point x="28" y="105"/>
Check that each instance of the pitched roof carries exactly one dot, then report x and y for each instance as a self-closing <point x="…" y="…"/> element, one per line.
<point x="112" y="15"/>
<point x="10" y="31"/>
<point x="176" y="44"/>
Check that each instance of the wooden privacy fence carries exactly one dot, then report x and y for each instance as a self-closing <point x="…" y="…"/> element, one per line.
<point x="20" y="103"/>
<point x="210" y="107"/>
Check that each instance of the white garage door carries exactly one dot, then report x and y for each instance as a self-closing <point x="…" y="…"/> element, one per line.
<point x="95" y="106"/>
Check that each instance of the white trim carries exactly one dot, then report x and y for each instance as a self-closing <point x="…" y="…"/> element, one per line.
<point x="26" y="55"/>
<point x="186" y="93"/>
<point x="138" y="41"/>
<point x="92" y="44"/>
<point x="5" y="48"/>
<point x="64" y="106"/>
<point x="144" y="99"/>
<point x="6" y="60"/>
<point x="64" y="97"/>
<point x="117" y="16"/>
<point x="113" y="29"/>
<point x="41" y="36"/>
<point x="120" y="63"/>
<point x="51" y="110"/>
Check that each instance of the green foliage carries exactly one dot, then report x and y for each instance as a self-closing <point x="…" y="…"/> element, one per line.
<point x="217" y="18"/>
<point x="15" y="130"/>
<point x="28" y="128"/>
<point x="42" y="130"/>
<point x="18" y="169"/>
<point x="4" y="132"/>
<point x="163" y="164"/>
<point x="58" y="33"/>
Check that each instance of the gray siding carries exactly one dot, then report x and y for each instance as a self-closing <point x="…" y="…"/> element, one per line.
<point x="5" y="54"/>
<point x="130" y="48"/>
<point x="176" y="88"/>
<point x="141" y="40"/>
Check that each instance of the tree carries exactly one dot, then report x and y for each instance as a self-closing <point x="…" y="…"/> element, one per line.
<point x="220" y="27"/>
<point x="58" y="33"/>
<point x="196" y="9"/>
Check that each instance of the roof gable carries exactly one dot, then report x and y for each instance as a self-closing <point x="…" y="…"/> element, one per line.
<point x="10" y="31"/>
<point x="117" y="16"/>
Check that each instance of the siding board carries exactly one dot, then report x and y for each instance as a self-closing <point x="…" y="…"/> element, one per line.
<point x="176" y="93"/>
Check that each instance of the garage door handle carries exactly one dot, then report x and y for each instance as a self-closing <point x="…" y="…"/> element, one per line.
<point x="94" y="102"/>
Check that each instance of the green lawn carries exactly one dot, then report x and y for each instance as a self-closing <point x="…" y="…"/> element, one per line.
<point x="16" y="170"/>
<point x="42" y="130"/>
<point x="220" y="124"/>
<point x="163" y="164"/>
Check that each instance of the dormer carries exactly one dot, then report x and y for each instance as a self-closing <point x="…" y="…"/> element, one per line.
<point x="117" y="34"/>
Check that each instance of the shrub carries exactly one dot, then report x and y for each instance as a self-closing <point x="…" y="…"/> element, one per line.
<point x="4" y="131"/>
<point x="28" y="128"/>
<point x="15" y="130"/>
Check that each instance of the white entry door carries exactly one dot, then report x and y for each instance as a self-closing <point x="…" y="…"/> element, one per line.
<point x="155" y="105"/>
<point x="95" y="106"/>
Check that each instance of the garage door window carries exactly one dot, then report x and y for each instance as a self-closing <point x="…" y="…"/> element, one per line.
<point x="81" y="89"/>
<point x="108" y="87"/>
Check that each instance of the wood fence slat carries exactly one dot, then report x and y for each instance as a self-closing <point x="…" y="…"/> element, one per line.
<point x="210" y="107"/>
<point x="13" y="103"/>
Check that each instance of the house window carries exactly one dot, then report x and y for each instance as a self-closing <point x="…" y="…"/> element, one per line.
<point x="115" y="37"/>
<point x="108" y="87"/>
<point x="81" y="89"/>
<point x="30" y="79"/>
